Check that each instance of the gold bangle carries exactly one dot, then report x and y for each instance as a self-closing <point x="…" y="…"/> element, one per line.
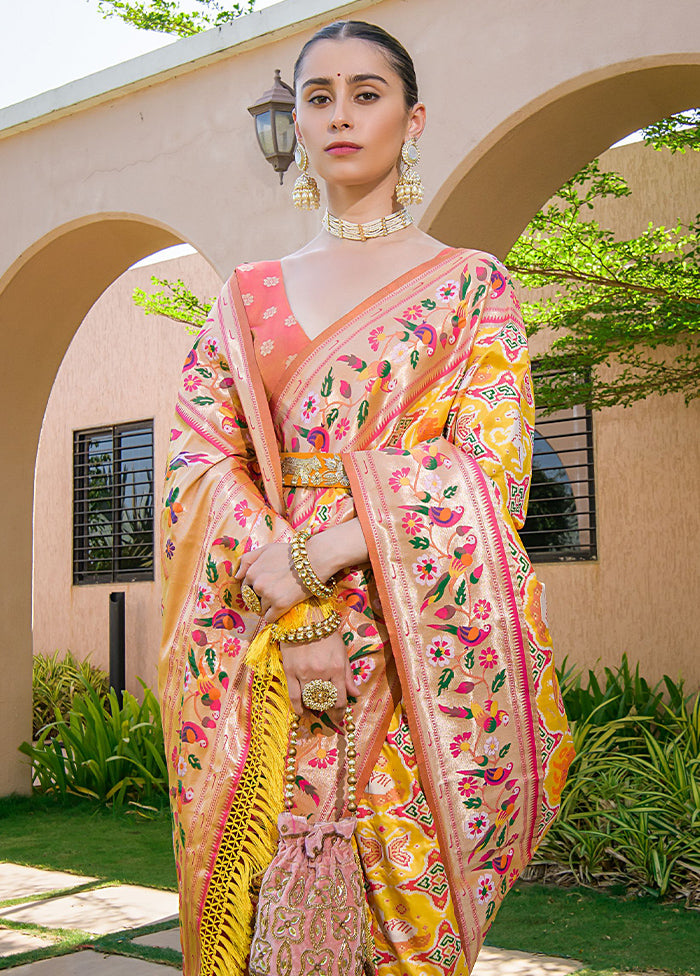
<point x="303" y="567"/>
<point x="309" y="632"/>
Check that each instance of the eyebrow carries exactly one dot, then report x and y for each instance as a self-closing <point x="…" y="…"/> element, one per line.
<point x="351" y="79"/>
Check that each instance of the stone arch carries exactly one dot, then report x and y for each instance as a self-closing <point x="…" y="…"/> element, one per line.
<point x="44" y="297"/>
<point x="486" y="202"/>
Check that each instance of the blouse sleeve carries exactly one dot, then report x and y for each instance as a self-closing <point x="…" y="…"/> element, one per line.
<point x="492" y="417"/>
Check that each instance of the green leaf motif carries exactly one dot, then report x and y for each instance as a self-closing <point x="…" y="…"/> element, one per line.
<point x="420" y="542"/>
<point x="446" y="676"/>
<point x="203" y="401"/>
<point x="469" y="660"/>
<point x="212" y="571"/>
<point x="473" y="803"/>
<point x="327" y="385"/>
<point x="268" y="521"/>
<point x="429" y="304"/>
<point x="450" y="491"/>
<point x="193" y="663"/>
<point x="498" y="681"/>
<point x="362" y="413"/>
<point x="194" y="762"/>
<point x="415" y="356"/>
<point x="461" y="594"/>
<point x="503" y="752"/>
<point x="210" y="658"/>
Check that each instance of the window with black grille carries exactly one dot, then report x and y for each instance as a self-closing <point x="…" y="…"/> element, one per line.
<point x="113" y="503"/>
<point x="560" y="521"/>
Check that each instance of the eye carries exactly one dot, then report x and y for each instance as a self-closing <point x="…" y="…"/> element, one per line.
<point x="368" y="96"/>
<point x="318" y="99"/>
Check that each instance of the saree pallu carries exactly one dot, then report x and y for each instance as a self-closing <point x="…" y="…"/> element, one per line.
<point x="424" y="391"/>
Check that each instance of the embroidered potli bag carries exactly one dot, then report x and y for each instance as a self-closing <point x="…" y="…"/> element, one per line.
<point x="312" y="917"/>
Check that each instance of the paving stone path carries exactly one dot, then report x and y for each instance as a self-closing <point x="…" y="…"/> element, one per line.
<point x="54" y="900"/>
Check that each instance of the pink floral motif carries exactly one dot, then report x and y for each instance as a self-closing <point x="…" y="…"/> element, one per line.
<point x="447" y="291"/>
<point x="440" y="651"/>
<point x="484" y="888"/>
<point x="477" y="824"/>
<point x="467" y="786"/>
<point x="414" y="313"/>
<point x="425" y="569"/>
<point x="488" y="658"/>
<point x="399" y="478"/>
<point x="309" y="407"/>
<point x="323" y="757"/>
<point x="342" y="428"/>
<point x="460" y="744"/>
<point x="482" y="608"/>
<point x="363" y="668"/>
<point x="232" y="646"/>
<point x="211" y="348"/>
<point x="412" y="523"/>
<point x="191" y="382"/>
<point x="376" y="337"/>
<point x="241" y="512"/>
<point x="205" y="598"/>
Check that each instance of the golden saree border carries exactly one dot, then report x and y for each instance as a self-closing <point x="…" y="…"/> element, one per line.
<point x="313" y="469"/>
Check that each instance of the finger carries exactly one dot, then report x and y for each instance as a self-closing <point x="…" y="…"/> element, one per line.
<point x="352" y="686"/>
<point x="294" y="690"/>
<point x="247" y="560"/>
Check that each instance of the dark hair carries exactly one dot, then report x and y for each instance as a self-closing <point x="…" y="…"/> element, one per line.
<point x="396" y="54"/>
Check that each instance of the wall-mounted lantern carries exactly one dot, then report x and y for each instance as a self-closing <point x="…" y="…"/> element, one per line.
<point x="274" y="125"/>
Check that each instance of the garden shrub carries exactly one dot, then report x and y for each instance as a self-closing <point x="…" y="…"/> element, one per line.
<point x="101" y="750"/>
<point x="631" y="806"/>
<point x="55" y="681"/>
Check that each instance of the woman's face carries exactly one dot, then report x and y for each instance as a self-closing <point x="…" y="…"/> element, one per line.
<point x="348" y="93"/>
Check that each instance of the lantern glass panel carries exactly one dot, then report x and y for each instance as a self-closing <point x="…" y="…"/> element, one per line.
<point x="263" y="127"/>
<point x="284" y="124"/>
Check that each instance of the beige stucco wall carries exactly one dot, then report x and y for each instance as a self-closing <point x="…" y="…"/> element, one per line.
<point x="122" y="365"/>
<point x="107" y="170"/>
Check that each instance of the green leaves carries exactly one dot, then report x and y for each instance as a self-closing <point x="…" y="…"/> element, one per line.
<point x="105" y="752"/>
<point x="618" y="303"/>
<point x="174" y="300"/>
<point x="167" y="17"/>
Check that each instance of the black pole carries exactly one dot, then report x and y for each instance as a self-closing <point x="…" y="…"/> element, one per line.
<point x="117" y="645"/>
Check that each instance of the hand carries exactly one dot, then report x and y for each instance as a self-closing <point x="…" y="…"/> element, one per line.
<point x="326" y="659"/>
<point x="268" y="571"/>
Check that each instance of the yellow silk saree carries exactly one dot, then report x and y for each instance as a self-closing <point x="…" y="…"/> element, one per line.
<point x="414" y="413"/>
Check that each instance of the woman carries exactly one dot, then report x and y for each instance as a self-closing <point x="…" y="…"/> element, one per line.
<point x="405" y="434"/>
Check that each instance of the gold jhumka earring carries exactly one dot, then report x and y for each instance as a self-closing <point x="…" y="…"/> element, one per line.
<point x="305" y="193"/>
<point x="409" y="188"/>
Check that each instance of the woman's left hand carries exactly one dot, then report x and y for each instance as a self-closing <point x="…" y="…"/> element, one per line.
<point x="268" y="570"/>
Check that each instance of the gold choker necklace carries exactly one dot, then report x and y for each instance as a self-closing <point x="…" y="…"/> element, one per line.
<point x="373" y="228"/>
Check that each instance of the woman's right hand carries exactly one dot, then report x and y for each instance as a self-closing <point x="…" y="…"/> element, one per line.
<point x="326" y="660"/>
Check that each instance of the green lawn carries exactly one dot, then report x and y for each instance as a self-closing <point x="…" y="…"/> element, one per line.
<point x="84" y="839"/>
<point x="602" y="930"/>
<point x="605" y="932"/>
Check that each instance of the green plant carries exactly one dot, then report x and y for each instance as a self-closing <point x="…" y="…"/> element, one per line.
<point x="631" y="807"/>
<point x="105" y="752"/>
<point x="55" y="681"/>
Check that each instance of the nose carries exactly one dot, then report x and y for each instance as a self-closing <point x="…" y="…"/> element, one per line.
<point x="340" y="119"/>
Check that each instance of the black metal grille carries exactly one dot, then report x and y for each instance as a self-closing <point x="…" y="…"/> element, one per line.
<point x="561" y="521"/>
<point x="113" y="503"/>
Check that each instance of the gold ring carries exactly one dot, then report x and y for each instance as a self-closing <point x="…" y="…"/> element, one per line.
<point x="319" y="695"/>
<point x="251" y="599"/>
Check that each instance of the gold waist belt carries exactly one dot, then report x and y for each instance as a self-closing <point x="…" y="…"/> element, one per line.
<point x="314" y="469"/>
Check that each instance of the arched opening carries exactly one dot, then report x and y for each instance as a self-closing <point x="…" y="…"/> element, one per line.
<point x="44" y="297"/>
<point x="490" y="197"/>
